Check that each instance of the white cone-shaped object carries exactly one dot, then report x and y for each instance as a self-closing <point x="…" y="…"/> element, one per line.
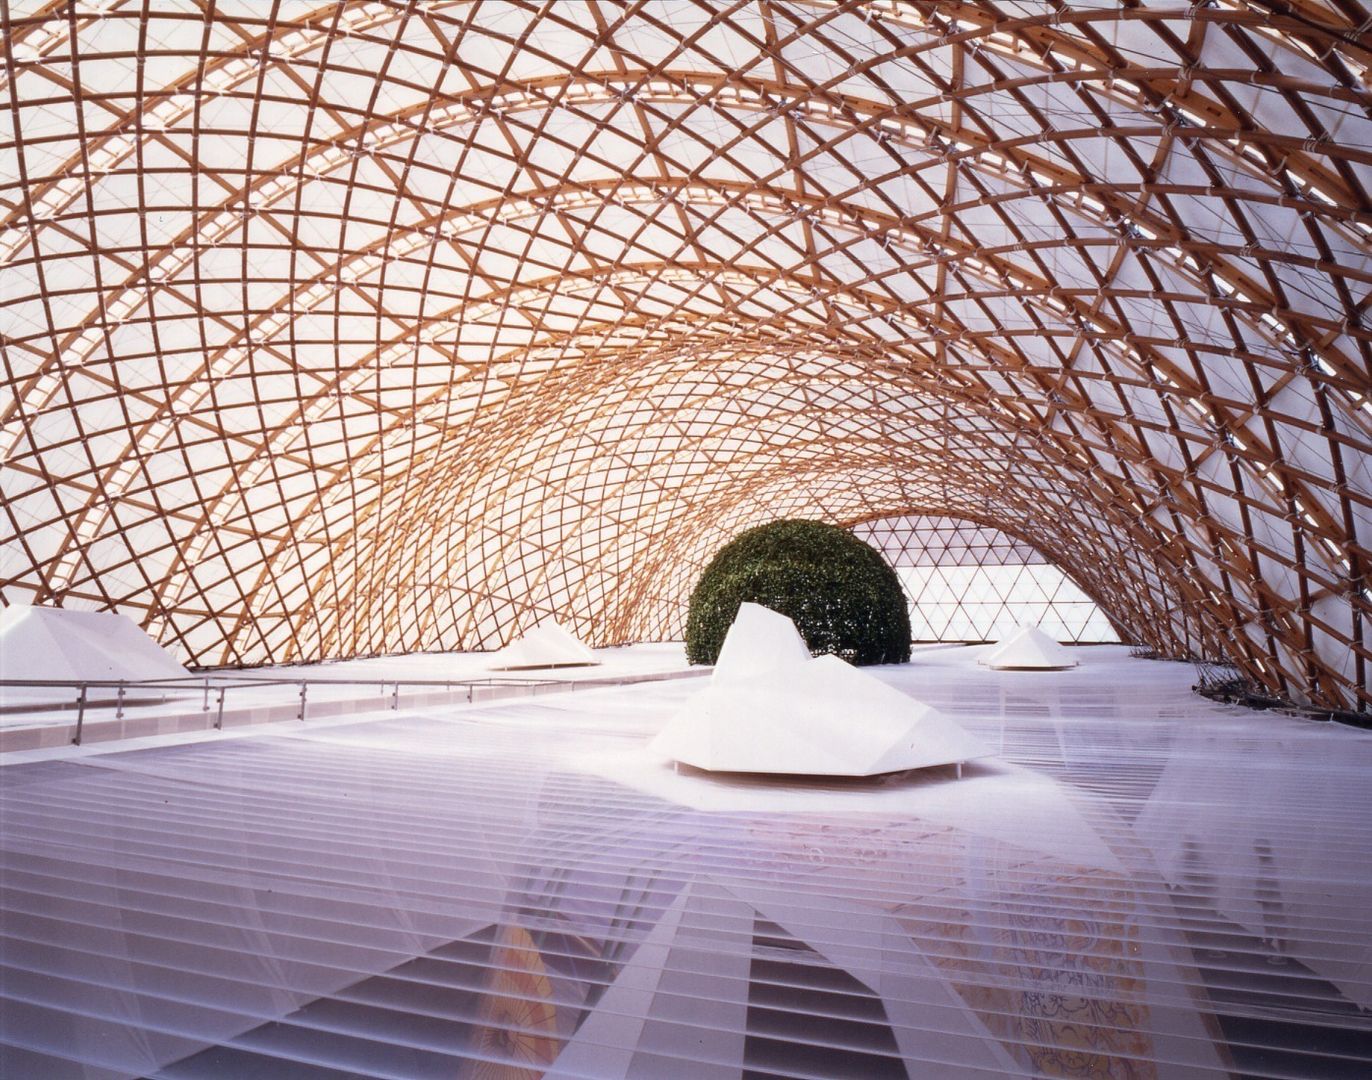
<point x="549" y="644"/>
<point x="1028" y="649"/>
<point x="772" y="708"/>
<point x="65" y="645"/>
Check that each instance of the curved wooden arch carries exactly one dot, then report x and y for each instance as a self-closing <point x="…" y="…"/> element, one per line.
<point x="321" y="315"/>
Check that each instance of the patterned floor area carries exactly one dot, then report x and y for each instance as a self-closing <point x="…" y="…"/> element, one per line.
<point x="1141" y="884"/>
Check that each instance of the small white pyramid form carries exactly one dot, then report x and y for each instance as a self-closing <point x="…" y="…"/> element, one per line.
<point x="771" y="707"/>
<point x="64" y="645"/>
<point x="549" y="644"/>
<point x="1028" y="649"/>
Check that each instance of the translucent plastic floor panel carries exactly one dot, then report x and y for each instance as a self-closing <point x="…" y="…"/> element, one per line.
<point x="1140" y="884"/>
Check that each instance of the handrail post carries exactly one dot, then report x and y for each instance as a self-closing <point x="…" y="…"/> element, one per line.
<point x="119" y="703"/>
<point x="219" y="720"/>
<point x="395" y="698"/>
<point x="80" y="715"/>
<point x="206" y="706"/>
<point x="303" y="685"/>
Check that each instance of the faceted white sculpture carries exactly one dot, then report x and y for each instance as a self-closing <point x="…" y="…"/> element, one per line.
<point x="758" y="641"/>
<point x="771" y="707"/>
<point x="64" y="645"/>
<point x="1028" y="649"/>
<point x="549" y="644"/>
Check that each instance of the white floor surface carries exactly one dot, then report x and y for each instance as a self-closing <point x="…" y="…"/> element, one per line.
<point x="1140" y="884"/>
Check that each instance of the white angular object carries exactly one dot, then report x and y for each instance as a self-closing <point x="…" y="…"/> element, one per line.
<point x="1028" y="649"/>
<point x="64" y="645"/>
<point x="770" y="707"/>
<point x="759" y="640"/>
<point x="549" y="644"/>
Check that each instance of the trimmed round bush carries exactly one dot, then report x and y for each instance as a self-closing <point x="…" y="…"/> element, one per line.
<point x="842" y="595"/>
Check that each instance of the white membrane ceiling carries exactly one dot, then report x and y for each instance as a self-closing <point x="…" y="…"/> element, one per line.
<point x="341" y="328"/>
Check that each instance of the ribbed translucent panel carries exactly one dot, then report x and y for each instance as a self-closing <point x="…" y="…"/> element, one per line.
<point x="969" y="582"/>
<point x="1142" y="884"/>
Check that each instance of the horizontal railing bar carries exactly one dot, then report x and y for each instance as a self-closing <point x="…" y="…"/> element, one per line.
<point x="198" y="683"/>
<point x="215" y="690"/>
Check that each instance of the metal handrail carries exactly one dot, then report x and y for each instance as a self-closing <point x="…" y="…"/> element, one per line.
<point x="193" y="682"/>
<point x="224" y="681"/>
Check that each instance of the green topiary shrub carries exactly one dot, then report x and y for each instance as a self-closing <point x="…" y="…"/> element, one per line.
<point x="840" y="593"/>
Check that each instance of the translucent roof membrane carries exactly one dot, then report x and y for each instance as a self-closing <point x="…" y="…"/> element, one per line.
<point x="349" y="328"/>
<point x="968" y="582"/>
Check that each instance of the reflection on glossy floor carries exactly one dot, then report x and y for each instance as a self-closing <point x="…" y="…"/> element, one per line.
<point x="1143" y="884"/>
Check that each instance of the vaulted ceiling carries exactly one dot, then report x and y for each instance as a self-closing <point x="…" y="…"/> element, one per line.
<point x="341" y="328"/>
